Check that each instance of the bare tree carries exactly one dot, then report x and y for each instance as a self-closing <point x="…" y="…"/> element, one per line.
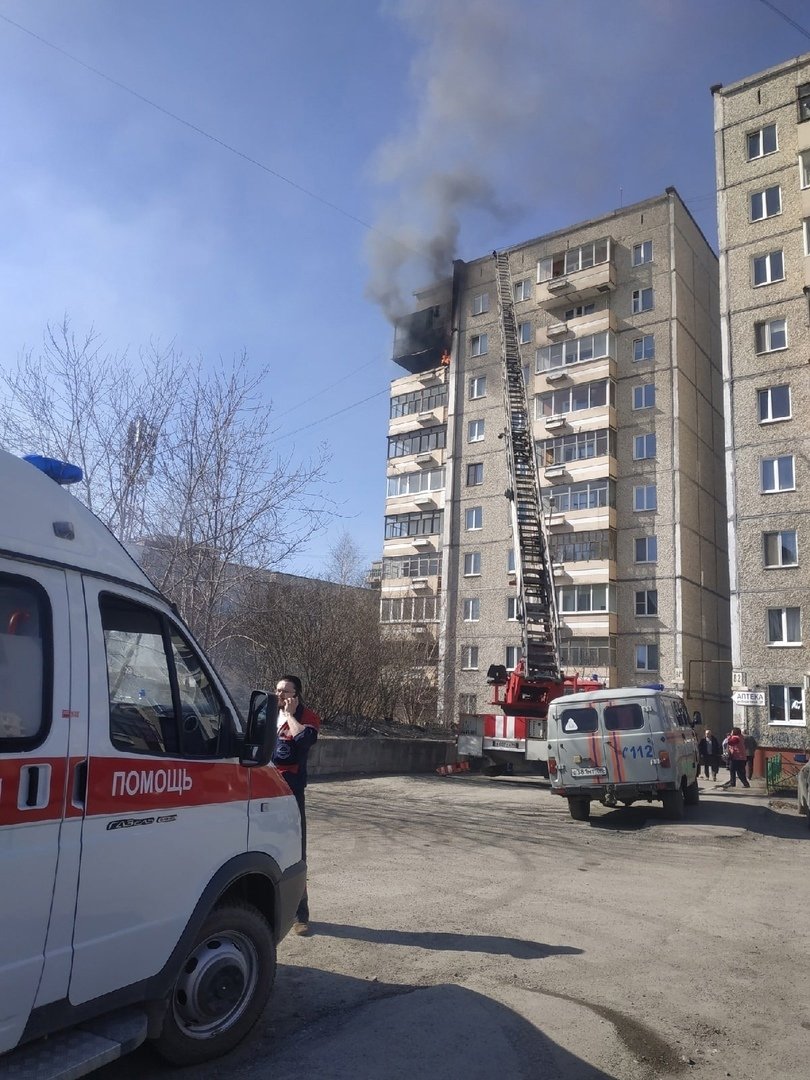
<point x="176" y="457"/>
<point x="345" y="562"/>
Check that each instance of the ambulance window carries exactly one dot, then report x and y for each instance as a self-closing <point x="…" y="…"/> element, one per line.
<point x="576" y="721"/>
<point x="202" y="710"/>
<point x="623" y="717"/>
<point x="142" y="714"/>
<point x="24" y="664"/>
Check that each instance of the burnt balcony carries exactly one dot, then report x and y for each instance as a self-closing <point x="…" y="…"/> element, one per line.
<point x="422" y="339"/>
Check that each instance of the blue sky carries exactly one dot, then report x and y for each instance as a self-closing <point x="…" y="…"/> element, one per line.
<point x="120" y="216"/>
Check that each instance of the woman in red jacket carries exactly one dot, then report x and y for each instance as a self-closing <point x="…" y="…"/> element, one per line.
<point x="737" y="756"/>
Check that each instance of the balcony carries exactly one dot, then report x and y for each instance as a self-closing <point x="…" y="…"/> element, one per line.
<point x="582" y="285"/>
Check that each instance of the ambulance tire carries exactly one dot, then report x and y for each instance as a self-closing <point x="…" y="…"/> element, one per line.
<point x="674" y="803"/>
<point x="222" y="988"/>
<point x="579" y="807"/>
<point x="692" y="796"/>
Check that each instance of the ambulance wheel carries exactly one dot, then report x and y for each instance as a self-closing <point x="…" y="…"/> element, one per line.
<point x="692" y="796"/>
<point x="222" y="988"/>
<point x="580" y="808"/>
<point x="674" y="803"/>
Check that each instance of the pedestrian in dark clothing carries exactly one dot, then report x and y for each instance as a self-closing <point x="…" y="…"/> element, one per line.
<point x="750" y="748"/>
<point x="297" y="731"/>
<point x="709" y="750"/>
<point x="737" y="758"/>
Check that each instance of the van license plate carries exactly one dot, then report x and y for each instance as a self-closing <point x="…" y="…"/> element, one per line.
<point x="597" y="771"/>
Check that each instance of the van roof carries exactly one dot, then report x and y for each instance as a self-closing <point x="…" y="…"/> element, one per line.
<point x="33" y="526"/>
<point x="623" y="692"/>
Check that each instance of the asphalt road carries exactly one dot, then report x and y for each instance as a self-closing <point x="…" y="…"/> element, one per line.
<point x="466" y="929"/>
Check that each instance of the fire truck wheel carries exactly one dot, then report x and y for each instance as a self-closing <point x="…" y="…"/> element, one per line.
<point x="580" y="808"/>
<point x="674" y="803"/>
<point x="222" y="988"/>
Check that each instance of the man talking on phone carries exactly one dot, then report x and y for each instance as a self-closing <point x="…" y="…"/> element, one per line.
<point x="297" y="731"/>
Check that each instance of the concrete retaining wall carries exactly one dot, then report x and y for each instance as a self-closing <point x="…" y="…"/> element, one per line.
<point x="331" y="755"/>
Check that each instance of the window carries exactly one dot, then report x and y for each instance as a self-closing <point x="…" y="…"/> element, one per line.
<point x="580" y="447"/>
<point x="804" y="168"/>
<point x="642" y="253"/>
<point x="510" y="561"/>
<point x="645" y="497"/>
<point x="585" y="495"/>
<point x="162" y="701"/>
<point x="806" y="230"/>
<point x="785" y="704"/>
<point x="409" y="609"/>
<point x="473" y="518"/>
<point x="761" y="142"/>
<point x="587" y="653"/>
<point x="479" y="345"/>
<point x="512" y="657"/>
<point x="778" y="474"/>
<point x="767" y="203"/>
<point x="572" y="260"/>
<point x="646" y="658"/>
<point x="573" y="599"/>
<point x="624" y="718"/>
<point x="575" y="351"/>
<point x="803" y="96"/>
<point x="424" y="523"/>
<point x="523" y="290"/>
<point x="770" y="336"/>
<point x="475" y="431"/>
<point x="478" y="386"/>
<point x="644" y="396"/>
<point x="646" y="549"/>
<point x="780" y="548"/>
<point x="644" y="348"/>
<point x="642" y="300"/>
<point x="643" y="447"/>
<point x="583" y="546"/>
<point x="467" y="704"/>
<point x="469" y="658"/>
<point x="480" y="304"/>
<point x="472" y="609"/>
<point x="647" y="602"/>
<point x="25" y="660"/>
<point x="475" y="474"/>
<point x="524" y="332"/>
<point x="512" y="608"/>
<point x="768" y="268"/>
<point x="472" y="564"/>
<point x="416" y="401"/>
<point x="784" y="626"/>
<point x="417" y="442"/>
<point x="412" y="566"/>
<point x="573" y="399"/>
<point x="414" y="483"/>
<point x="578" y="311"/>
<point x="774" y="404"/>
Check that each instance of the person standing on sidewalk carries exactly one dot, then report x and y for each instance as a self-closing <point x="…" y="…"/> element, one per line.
<point x="297" y="732"/>
<point x="709" y="750"/>
<point x="750" y="749"/>
<point x="737" y="758"/>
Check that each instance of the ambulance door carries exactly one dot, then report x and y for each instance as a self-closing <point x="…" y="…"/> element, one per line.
<point x="167" y="801"/>
<point x="35" y="707"/>
<point x="630" y="749"/>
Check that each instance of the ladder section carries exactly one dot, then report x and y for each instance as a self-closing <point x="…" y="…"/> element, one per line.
<point x="538" y="617"/>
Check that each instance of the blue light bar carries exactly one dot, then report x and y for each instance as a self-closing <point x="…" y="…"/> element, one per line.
<point x="60" y="471"/>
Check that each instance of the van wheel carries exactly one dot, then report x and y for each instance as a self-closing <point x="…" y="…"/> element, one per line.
<point x="674" y="803"/>
<point x="580" y="808"/>
<point x="692" y="796"/>
<point x="222" y="988"/>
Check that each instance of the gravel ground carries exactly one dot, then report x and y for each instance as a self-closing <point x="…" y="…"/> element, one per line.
<point x="465" y="928"/>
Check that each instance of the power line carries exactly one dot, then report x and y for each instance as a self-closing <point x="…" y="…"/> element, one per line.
<point x="331" y="416"/>
<point x="787" y="18"/>
<point x="207" y="135"/>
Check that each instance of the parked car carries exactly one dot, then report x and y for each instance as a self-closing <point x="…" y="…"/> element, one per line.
<point x="803" y="791"/>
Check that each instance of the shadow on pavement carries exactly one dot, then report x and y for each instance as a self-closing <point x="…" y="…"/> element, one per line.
<point x="483" y="943"/>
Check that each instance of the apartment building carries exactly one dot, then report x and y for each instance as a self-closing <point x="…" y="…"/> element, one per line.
<point x="618" y="329"/>
<point x="762" y="138"/>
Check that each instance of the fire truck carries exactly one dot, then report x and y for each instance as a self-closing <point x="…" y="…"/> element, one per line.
<point x="515" y="737"/>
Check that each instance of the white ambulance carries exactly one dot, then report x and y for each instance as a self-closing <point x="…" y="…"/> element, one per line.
<point x="150" y="857"/>
<point x="619" y="746"/>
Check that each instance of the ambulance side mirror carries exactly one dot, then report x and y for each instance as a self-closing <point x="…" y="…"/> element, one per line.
<point x="260" y="732"/>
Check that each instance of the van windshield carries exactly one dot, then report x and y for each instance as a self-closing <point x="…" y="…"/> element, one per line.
<point x="623" y="718"/>
<point x="578" y="720"/>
